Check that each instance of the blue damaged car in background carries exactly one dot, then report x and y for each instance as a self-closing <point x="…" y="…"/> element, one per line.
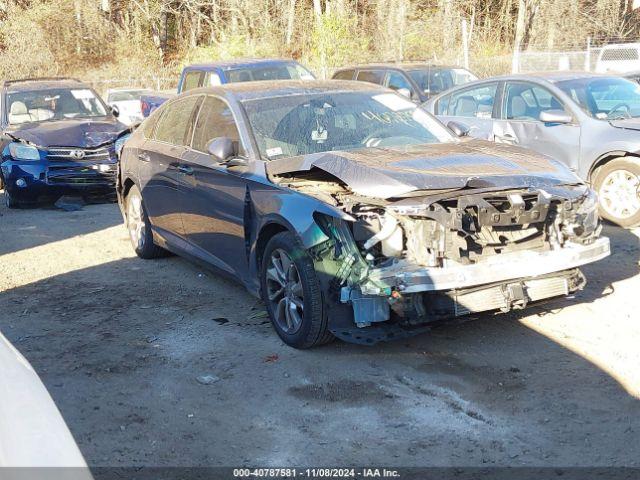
<point x="58" y="138"/>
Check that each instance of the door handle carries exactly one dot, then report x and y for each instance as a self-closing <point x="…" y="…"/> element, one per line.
<point x="507" y="138"/>
<point x="144" y="157"/>
<point x="185" y="170"/>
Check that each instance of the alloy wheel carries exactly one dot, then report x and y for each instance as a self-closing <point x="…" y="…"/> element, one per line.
<point x="135" y="221"/>
<point x="285" y="292"/>
<point x="620" y="194"/>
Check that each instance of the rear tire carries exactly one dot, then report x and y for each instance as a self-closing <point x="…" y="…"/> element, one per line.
<point x="618" y="186"/>
<point x="139" y="227"/>
<point x="291" y="291"/>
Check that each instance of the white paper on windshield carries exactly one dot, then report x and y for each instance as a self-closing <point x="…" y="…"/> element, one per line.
<point x="83" y="94"/>
<point x="273" y="152"/>
<point x="394" y="102"/>
<point x="319" y="135"/>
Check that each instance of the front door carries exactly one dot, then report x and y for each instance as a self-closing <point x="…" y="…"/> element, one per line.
<point x="519" y="123"/>
<point x="212" y="195"/>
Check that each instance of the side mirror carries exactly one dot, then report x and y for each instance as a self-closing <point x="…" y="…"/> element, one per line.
<point x="405" y="92"/>
<point x="460" y="129"/>
<point x="223" y="151"/>
<point x="555" y="116"/>
<point x="115" y="110"/>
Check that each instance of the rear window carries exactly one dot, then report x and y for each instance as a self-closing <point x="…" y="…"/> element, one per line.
<point x="191" y="80"/>
<point x="292" y="71"/>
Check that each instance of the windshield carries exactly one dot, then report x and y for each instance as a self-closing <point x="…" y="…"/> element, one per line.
<point x="126" y="95"/>
<point x="302" y="124"/>
<point x="290" y="71"/>
<point x="53" y="104"/>
<point x="436" y="80"/>
<point x="605" y="98"/>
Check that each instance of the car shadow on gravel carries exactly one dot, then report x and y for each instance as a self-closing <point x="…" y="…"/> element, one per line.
<point x="120" y="347"/>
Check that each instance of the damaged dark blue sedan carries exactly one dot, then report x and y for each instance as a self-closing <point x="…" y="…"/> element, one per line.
<point x="58" y="137"/>
<point x="352" y="212"/>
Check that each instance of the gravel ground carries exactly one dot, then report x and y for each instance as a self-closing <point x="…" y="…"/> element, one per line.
<point x="120" y="344"/>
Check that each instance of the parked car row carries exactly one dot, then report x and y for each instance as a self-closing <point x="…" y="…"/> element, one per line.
<point x="346" y="206"/>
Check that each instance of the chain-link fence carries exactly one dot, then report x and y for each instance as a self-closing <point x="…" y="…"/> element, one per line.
<point x="614" y="57"/>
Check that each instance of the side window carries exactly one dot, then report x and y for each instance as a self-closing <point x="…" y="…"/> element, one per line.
<point x="344" y="75"/>
<point x="215" y="120"/>
<point x="396" y="81"/>
<point x="371" y="76"/>
<point x="211" y="79"/>
<point x="473" y="102"/>
<point x="525" y="101"/>
<point x="174" y="125"/>
<point x="442" y="105"/>
<point x="191" y="80"/>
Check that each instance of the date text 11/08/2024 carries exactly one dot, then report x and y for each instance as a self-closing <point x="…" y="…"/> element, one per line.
<point x="315" y="473"/>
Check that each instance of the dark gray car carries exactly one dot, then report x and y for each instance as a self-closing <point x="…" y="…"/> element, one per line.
<point x="589" y="122"/>
<point x="350" y="210"/>
<point x="416" y="81"/>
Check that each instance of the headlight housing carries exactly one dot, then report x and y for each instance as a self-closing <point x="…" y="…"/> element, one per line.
<point x="22" y="151"/>
<point x="120" y="143"/>
<point x="583" y="223"/>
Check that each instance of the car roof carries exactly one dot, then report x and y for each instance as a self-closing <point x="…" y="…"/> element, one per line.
<point x="31" y="84"/>
<point x="278" y="88"/>
<point x="550" y="77"/>
<point x="127" y="89"/>
<point x="399" y="66"/>
<point x="240" y="63"/>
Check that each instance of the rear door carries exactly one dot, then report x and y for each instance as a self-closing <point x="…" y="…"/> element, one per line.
<point x="212" y="196"/>
<point x="475" y="106"/>
<point x="519" y="123"/>
<point x="159" y="162"/>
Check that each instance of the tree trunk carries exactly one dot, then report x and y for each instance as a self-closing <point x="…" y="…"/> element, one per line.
<point x="291" y="16"/>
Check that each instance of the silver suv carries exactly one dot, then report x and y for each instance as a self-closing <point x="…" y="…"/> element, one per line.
<point x="590" y="122"/>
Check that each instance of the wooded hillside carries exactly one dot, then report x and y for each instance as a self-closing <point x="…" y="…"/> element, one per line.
<point x="111" y="39"/>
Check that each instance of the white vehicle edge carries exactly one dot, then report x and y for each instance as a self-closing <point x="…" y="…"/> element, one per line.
<point x="32" y="430"/>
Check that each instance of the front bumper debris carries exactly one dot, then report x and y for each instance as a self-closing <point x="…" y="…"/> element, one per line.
<point x="408" y="278"/>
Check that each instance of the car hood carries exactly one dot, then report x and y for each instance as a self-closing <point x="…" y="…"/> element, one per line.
<point x="394" y="171"/>
<point x="68" y="133"/>
<point x="627" y="123"/>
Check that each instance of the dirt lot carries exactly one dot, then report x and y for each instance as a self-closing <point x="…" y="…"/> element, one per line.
<point x="120" y="343"/>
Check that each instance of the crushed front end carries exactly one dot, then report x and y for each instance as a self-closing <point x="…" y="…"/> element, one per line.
<point x="403" y="264"/>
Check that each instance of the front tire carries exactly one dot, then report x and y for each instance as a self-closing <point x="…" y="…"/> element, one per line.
<point x="9" y="200"/>
<point x="618" y="186"/>
<point x="139" y="227"/>
<point x="292" y="293"/>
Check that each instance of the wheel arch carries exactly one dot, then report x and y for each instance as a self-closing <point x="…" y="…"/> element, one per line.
<point x="605" y="158"/>
<point x="266" y="233"/>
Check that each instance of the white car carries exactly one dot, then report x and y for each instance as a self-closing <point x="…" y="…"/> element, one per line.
<point x="619" y="58"/>
<point x="32" y="431"/>
<point x="127" y="101"/>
